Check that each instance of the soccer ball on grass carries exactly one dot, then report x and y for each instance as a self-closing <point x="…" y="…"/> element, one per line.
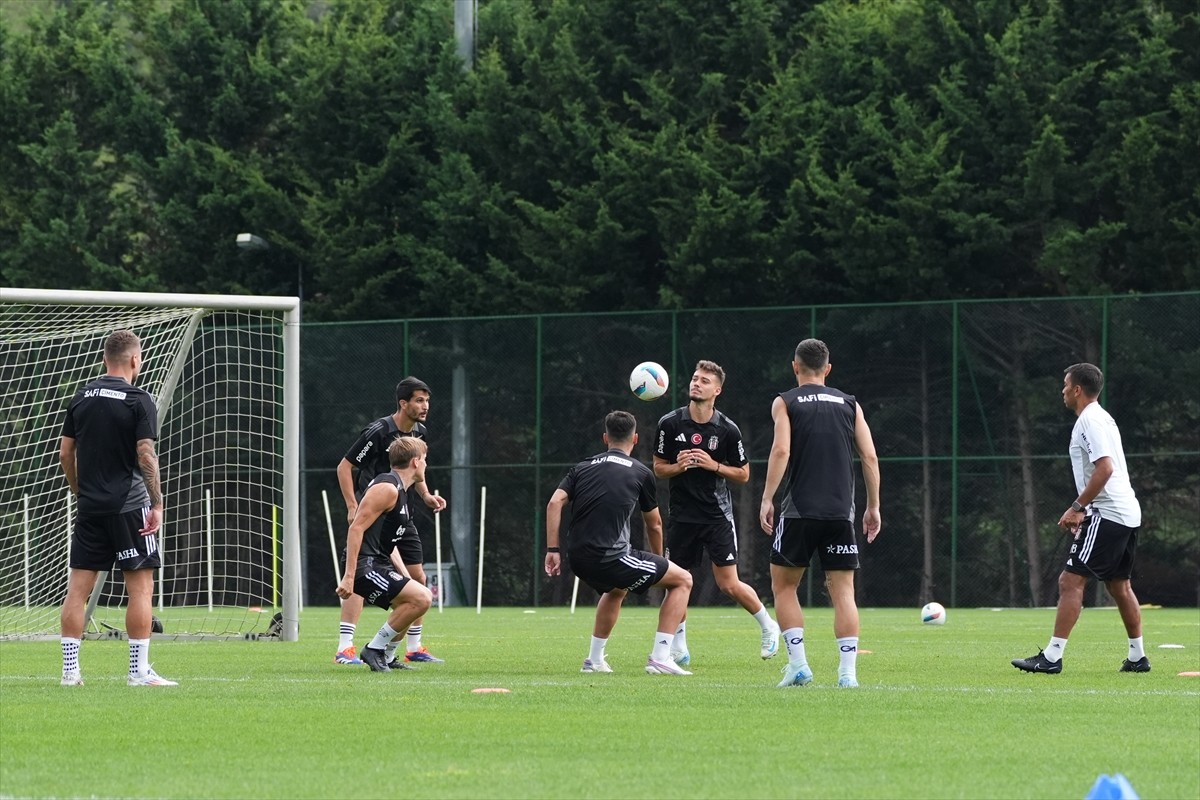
<point x="933" y="614"/>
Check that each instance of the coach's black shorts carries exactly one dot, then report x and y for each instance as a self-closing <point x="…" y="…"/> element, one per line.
<point x="831" y="539"/>
<point x="636" y="572"/>
<point x="100" y="541"/>
<point x="1102" y="549"/>
<point x="378" y="583"/>
<point x="409" y="547"/>
<point x="687" y="540"/>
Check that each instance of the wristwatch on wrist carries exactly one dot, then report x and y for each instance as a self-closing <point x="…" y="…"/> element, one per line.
<point x="1075" y="506"/>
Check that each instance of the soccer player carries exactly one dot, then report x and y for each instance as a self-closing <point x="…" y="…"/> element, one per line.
<point x="1103" y="519"/>
<point x="817" y="430"/>
<point x="603" y="492"/>
<point x="368" y="456"/>
<point x="699" y="449"/>
<point x="107" y="454"/>
<point x="375" y="572"/>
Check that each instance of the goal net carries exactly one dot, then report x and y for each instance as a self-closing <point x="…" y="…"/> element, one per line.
<point x="224" y="374"/>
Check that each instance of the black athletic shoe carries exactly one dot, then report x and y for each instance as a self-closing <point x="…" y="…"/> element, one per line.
<point x="1141" y="665"/>
<point x="375" y="659"/>
<point x="1038" y="663"/>
<point x="398" y="663"/>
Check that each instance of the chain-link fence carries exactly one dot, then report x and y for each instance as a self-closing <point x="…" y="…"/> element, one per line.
<point x="963" y="399"/>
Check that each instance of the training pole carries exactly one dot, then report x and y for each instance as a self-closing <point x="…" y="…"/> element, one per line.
<point x="574" y="594"/>
<point x="337" y="577"/>
<point x="482" y="521"/>
<point x="437" y="545"/>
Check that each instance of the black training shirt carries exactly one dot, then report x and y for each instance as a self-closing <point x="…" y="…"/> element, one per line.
<point x="604" y="491"/>
<point x="700" y="495"/>
<point x="381" y="538"/>
<point x="819" y="483"/>
<point x="106" y="418"/>
<point x="369" y="452"/>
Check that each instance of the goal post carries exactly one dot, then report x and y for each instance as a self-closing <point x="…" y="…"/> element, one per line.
<point x="224" y="372"/>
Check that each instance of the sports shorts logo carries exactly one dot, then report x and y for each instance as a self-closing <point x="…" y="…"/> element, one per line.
<point x="373" y="596"/>
<point x="697" y="438"/>
<point x="396" y="576"/>
<point x="841" y="549"/>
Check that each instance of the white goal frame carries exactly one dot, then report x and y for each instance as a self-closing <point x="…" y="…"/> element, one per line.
<point x="288" y="620"/>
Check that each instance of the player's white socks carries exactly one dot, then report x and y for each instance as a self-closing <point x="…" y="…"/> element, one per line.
<point x="139" y="656"/>
<point x="389" y="652"/>
<point x="680" y="641"/>
<point x="1054" y="650"/>
<point x="346" y="635"/>
<point x="794" y="639"/>
<point x="848" y="651"/>
<point x="414" y="638"/>
<point x="1136" y="651"/>
<point x="596" y="653"/>
<point x="70" y="654"/>
<point x="661" y="652"/>
<point x="763" y="618"/>
<point x="383" y="638"/>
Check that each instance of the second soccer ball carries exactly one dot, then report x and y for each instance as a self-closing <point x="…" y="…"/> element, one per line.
<point x="933" y="614"/>
<point x="648" y="380"/>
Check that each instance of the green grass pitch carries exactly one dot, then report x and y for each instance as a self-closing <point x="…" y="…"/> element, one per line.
<point x="940" y="713"/>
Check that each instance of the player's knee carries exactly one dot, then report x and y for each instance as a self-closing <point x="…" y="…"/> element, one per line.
<point x="1069" y="582"/>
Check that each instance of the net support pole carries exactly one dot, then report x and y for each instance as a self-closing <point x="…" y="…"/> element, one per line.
<point x="208" y="550"/>
<point x="482" y="528"/>
<point x="25" y="549"/>
<point x="291" y="474"/>
<point x="574" y="594"/>
<point x="437" y="549"/>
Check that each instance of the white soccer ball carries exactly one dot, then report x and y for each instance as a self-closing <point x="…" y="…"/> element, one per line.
<point x="648" y="381"/>
<point x="933" y="614"/>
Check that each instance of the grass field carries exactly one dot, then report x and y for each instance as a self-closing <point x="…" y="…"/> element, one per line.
<point x="940" y="713"/>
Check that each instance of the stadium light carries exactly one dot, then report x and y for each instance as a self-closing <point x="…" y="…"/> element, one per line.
<point x="248" y="241"/>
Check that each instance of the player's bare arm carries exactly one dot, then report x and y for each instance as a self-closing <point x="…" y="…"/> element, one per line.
<point x="398" y="563"/>
<point x="654" y="531"/>
<point x="1072" y="519"/>
<point x="702" y="459"/>
<point x="668" y="469"/>
<point x="872" y="521"/>
<point x="378" y="500"/>
<point x="345" y="476"/>
<point x="148" y="463"/>
<point x="781" y="450"/>
<point x="66" y="457"/>
<point x="554" y="511"/>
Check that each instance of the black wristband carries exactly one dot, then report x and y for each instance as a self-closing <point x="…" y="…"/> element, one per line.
<point x="551" y="549"/>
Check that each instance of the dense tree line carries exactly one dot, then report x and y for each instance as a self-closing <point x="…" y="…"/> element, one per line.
<point x="602" y="154"/>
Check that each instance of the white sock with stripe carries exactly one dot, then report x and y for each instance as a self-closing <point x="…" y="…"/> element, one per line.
<point x="680" y="641"/>
<point x="1136" y="651"/>
<point x="414" y="638"/>
<point x="346" y="635"/>
<point x="661" y="652"/>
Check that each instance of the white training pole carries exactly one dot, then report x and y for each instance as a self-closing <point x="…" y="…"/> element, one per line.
<point x="437" y="544"/>
<point x="208" y="526"/>
<point x="337" y="576"/>
<point x="574" y="594"/>
<point x="482" y="519"/>
<point x="25" y="556"/>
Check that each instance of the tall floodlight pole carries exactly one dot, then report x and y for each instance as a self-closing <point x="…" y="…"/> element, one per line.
<point x="464" y="30"/>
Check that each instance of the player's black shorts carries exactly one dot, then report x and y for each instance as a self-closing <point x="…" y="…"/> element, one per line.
<point x="636" y="572"/>
<point x="1102" y="549"/>
<point x="100" y="541"/>
<point x="831" y="539"/>
<point x="409" y="547"/>
<point x="687" y="540"/>
<point x="378" y="583"/>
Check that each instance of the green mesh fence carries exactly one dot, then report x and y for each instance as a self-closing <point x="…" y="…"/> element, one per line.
<point x="962" y="397"/>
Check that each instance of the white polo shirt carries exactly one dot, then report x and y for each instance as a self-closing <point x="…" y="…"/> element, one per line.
<point x="1095" y="436"/>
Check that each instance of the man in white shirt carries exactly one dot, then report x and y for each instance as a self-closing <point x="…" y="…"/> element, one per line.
<point x="1104" y="519"/>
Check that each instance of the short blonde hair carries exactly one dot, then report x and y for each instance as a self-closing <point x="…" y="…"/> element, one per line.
<point x="402" y="451"/>
<point x="120" y="345"/>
